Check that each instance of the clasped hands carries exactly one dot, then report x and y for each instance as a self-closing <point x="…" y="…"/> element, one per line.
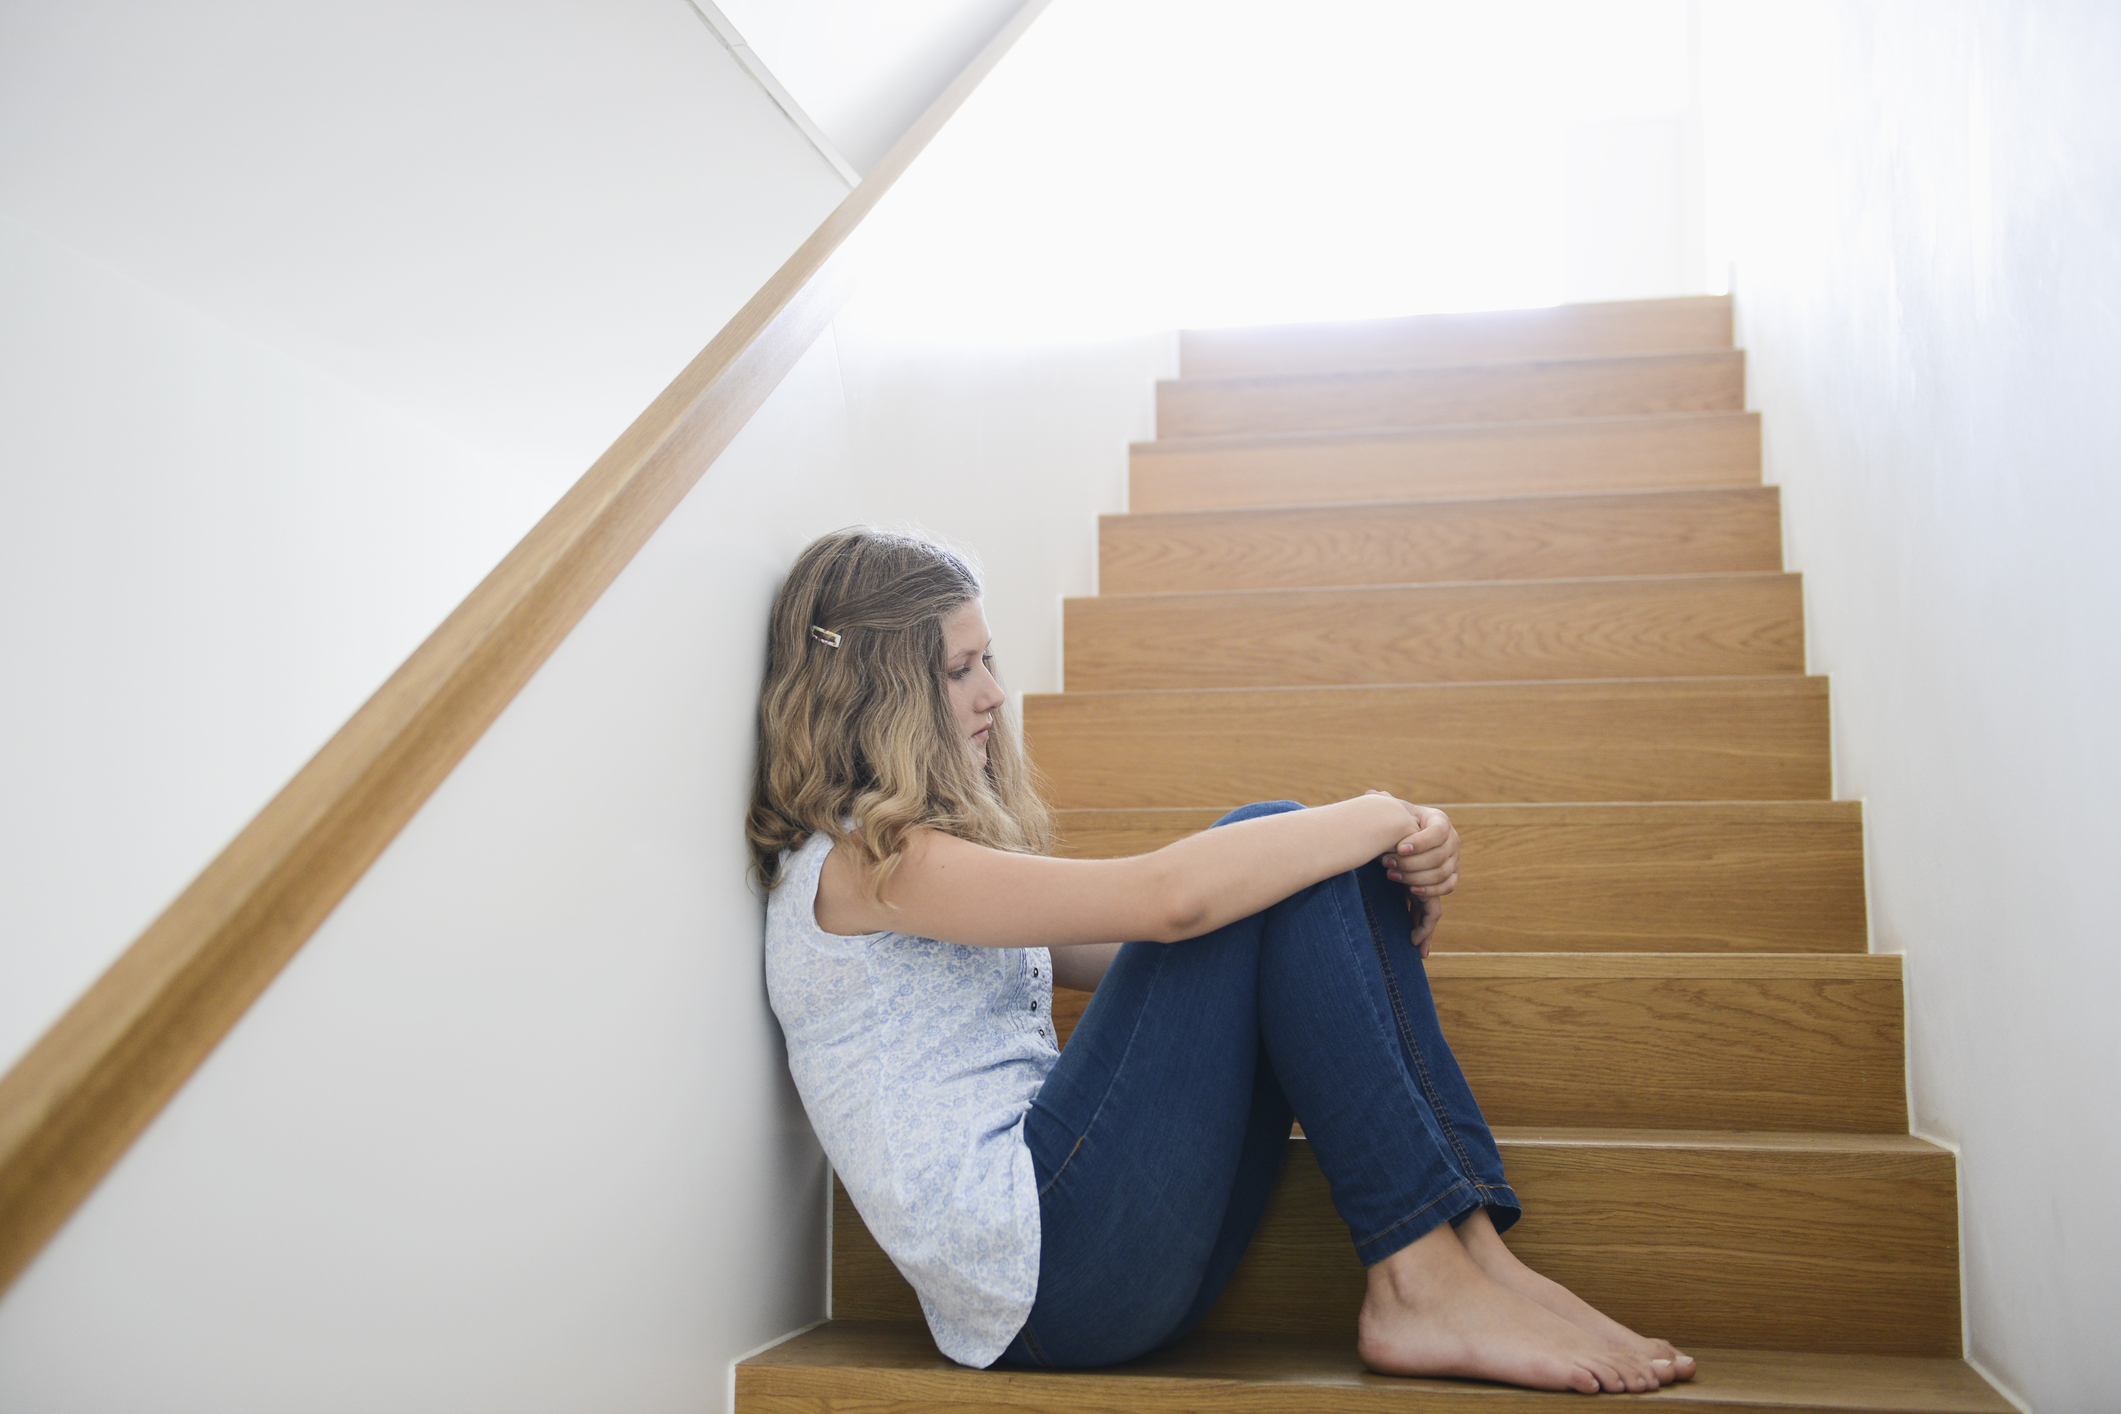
<point x="1425" y="863"/>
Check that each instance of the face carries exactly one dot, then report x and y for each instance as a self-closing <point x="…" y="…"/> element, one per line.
<point x="968" y="674"/>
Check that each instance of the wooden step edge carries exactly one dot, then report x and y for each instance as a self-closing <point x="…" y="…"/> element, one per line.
<point x="1561" y="811"/>
<point x="1565" y="310"/>
<point x="1693" y="966"/>
<point x="1238" y="382"/>
<point x="1600" y="580"/>
<point x="1766" y="684"/>
<point x="845" y="1366"/>
<point x="1460" y="361"/>
<point x="1238" y="441"/>
<point x="1781" y="1141"/>
<point x="1547" y="500"/>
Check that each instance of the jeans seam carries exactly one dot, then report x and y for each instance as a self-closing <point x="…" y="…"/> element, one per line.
<point x="1406" y="1039"/>
<point x="1073" y="1150"/>
<point x="1031" y="1346"/>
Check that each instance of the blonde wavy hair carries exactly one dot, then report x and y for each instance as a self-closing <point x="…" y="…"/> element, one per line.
<point x="859" y="741"/>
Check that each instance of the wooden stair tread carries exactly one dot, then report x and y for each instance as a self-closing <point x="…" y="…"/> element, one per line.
<point x="1703" y="625"/>
<point x="1759" y="738"/>
<point x="1443" y="540"/>
<point x="866" y="1365"/>
<point x="1724" y="876"/>
<point x="1519" y="456"/>
<point x="1560" y="331"/>
<point x="1709" y="380"/>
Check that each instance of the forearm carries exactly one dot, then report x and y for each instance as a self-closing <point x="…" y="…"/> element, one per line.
<point x="960" y="892"/>
<point x="1228" y="873"/>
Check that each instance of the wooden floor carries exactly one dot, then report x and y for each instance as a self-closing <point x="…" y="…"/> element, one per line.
<point x="1522" y="566"/>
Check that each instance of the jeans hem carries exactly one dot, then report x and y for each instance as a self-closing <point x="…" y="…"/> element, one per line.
<point x="1465" y="1194"/>
<point x="1501" y="1201"/>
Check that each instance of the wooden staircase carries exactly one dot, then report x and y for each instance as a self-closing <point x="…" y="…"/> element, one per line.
<point x="1523" y="560"/>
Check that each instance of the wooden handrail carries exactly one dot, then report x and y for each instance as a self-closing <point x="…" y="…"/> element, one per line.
<point x="72" y="1105"/>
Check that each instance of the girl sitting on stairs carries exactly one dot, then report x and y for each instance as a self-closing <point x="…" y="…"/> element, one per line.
<point x="1080" y="1208"/>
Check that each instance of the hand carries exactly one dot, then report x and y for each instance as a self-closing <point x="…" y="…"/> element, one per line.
<point x="1426" y="864"/>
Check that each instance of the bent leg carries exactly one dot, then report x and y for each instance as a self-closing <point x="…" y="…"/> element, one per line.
<point x="1351" y="1031"/>
<point x="1430" y="1062"/>
<point x="1149" y="1140"/>
<point x="1354" y="1040"/>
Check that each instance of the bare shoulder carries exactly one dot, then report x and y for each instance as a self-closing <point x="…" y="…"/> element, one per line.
<point x="847" y="901"/>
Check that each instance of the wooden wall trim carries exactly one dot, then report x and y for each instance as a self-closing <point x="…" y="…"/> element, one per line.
<point x="72" y="1105"/>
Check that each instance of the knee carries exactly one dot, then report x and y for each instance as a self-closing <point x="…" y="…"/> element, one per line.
<point x="1258" y="808"/>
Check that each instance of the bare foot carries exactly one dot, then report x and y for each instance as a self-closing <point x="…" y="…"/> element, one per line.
<point x="1431" y="1310"/>
<point x="1487" y="1249"/>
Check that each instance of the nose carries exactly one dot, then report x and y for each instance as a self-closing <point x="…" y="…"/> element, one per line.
<point x="991" y="695"/>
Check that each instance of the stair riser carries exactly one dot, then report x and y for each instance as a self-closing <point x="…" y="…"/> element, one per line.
<point x="1682" y="739"/>
<point x="1819" y="1052"/>
<point x="1687" y="626"/>
<point x="1510" y="459"/>
<point x="1827" y="1250"/>
<point x="1563" y="537"/>
<point x="1580" y="331"/>
<point x="1616" y="387"/>
<point x="1666" y="1045"/>
<point x="1751" y="877"/>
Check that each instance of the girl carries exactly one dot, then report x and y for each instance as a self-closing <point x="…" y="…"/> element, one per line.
<point x="1082" y="1208"/>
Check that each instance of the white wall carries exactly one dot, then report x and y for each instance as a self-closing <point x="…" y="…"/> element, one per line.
<point x="208" y="553"/>
<point x="307" y="312"/>
<point x="1924" y="204"/>
<point x="514" y="1130"/>
<point x="1162" y="164"/>
<point x="513" y="221"/>
<point x="865" y="70"/>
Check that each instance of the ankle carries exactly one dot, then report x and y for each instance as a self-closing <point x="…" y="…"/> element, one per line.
<point x="1413" y="1276"/>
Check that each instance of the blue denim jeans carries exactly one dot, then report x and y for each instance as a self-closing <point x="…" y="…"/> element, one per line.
<point x="1158" y="1135"/>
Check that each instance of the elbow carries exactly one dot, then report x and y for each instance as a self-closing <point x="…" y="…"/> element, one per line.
<point x="1181" y="913"/>
<point x="1171" y="906"/>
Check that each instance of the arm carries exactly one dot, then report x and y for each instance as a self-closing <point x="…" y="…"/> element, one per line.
<point x="961" y="892"/>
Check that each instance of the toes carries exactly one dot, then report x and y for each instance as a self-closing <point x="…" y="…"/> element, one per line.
<point x="1671" y="1365"/>
<point x="1641" y="1375"/>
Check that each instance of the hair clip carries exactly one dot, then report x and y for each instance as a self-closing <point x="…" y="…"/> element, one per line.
<point x="825" y="636"/>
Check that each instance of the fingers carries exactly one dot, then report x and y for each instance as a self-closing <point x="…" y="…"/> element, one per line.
<point x="1432" y="830"/>
<point x="1428" y="883"/>
<point x="1425" y="924"/>
<point x="1432" y="845"/>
